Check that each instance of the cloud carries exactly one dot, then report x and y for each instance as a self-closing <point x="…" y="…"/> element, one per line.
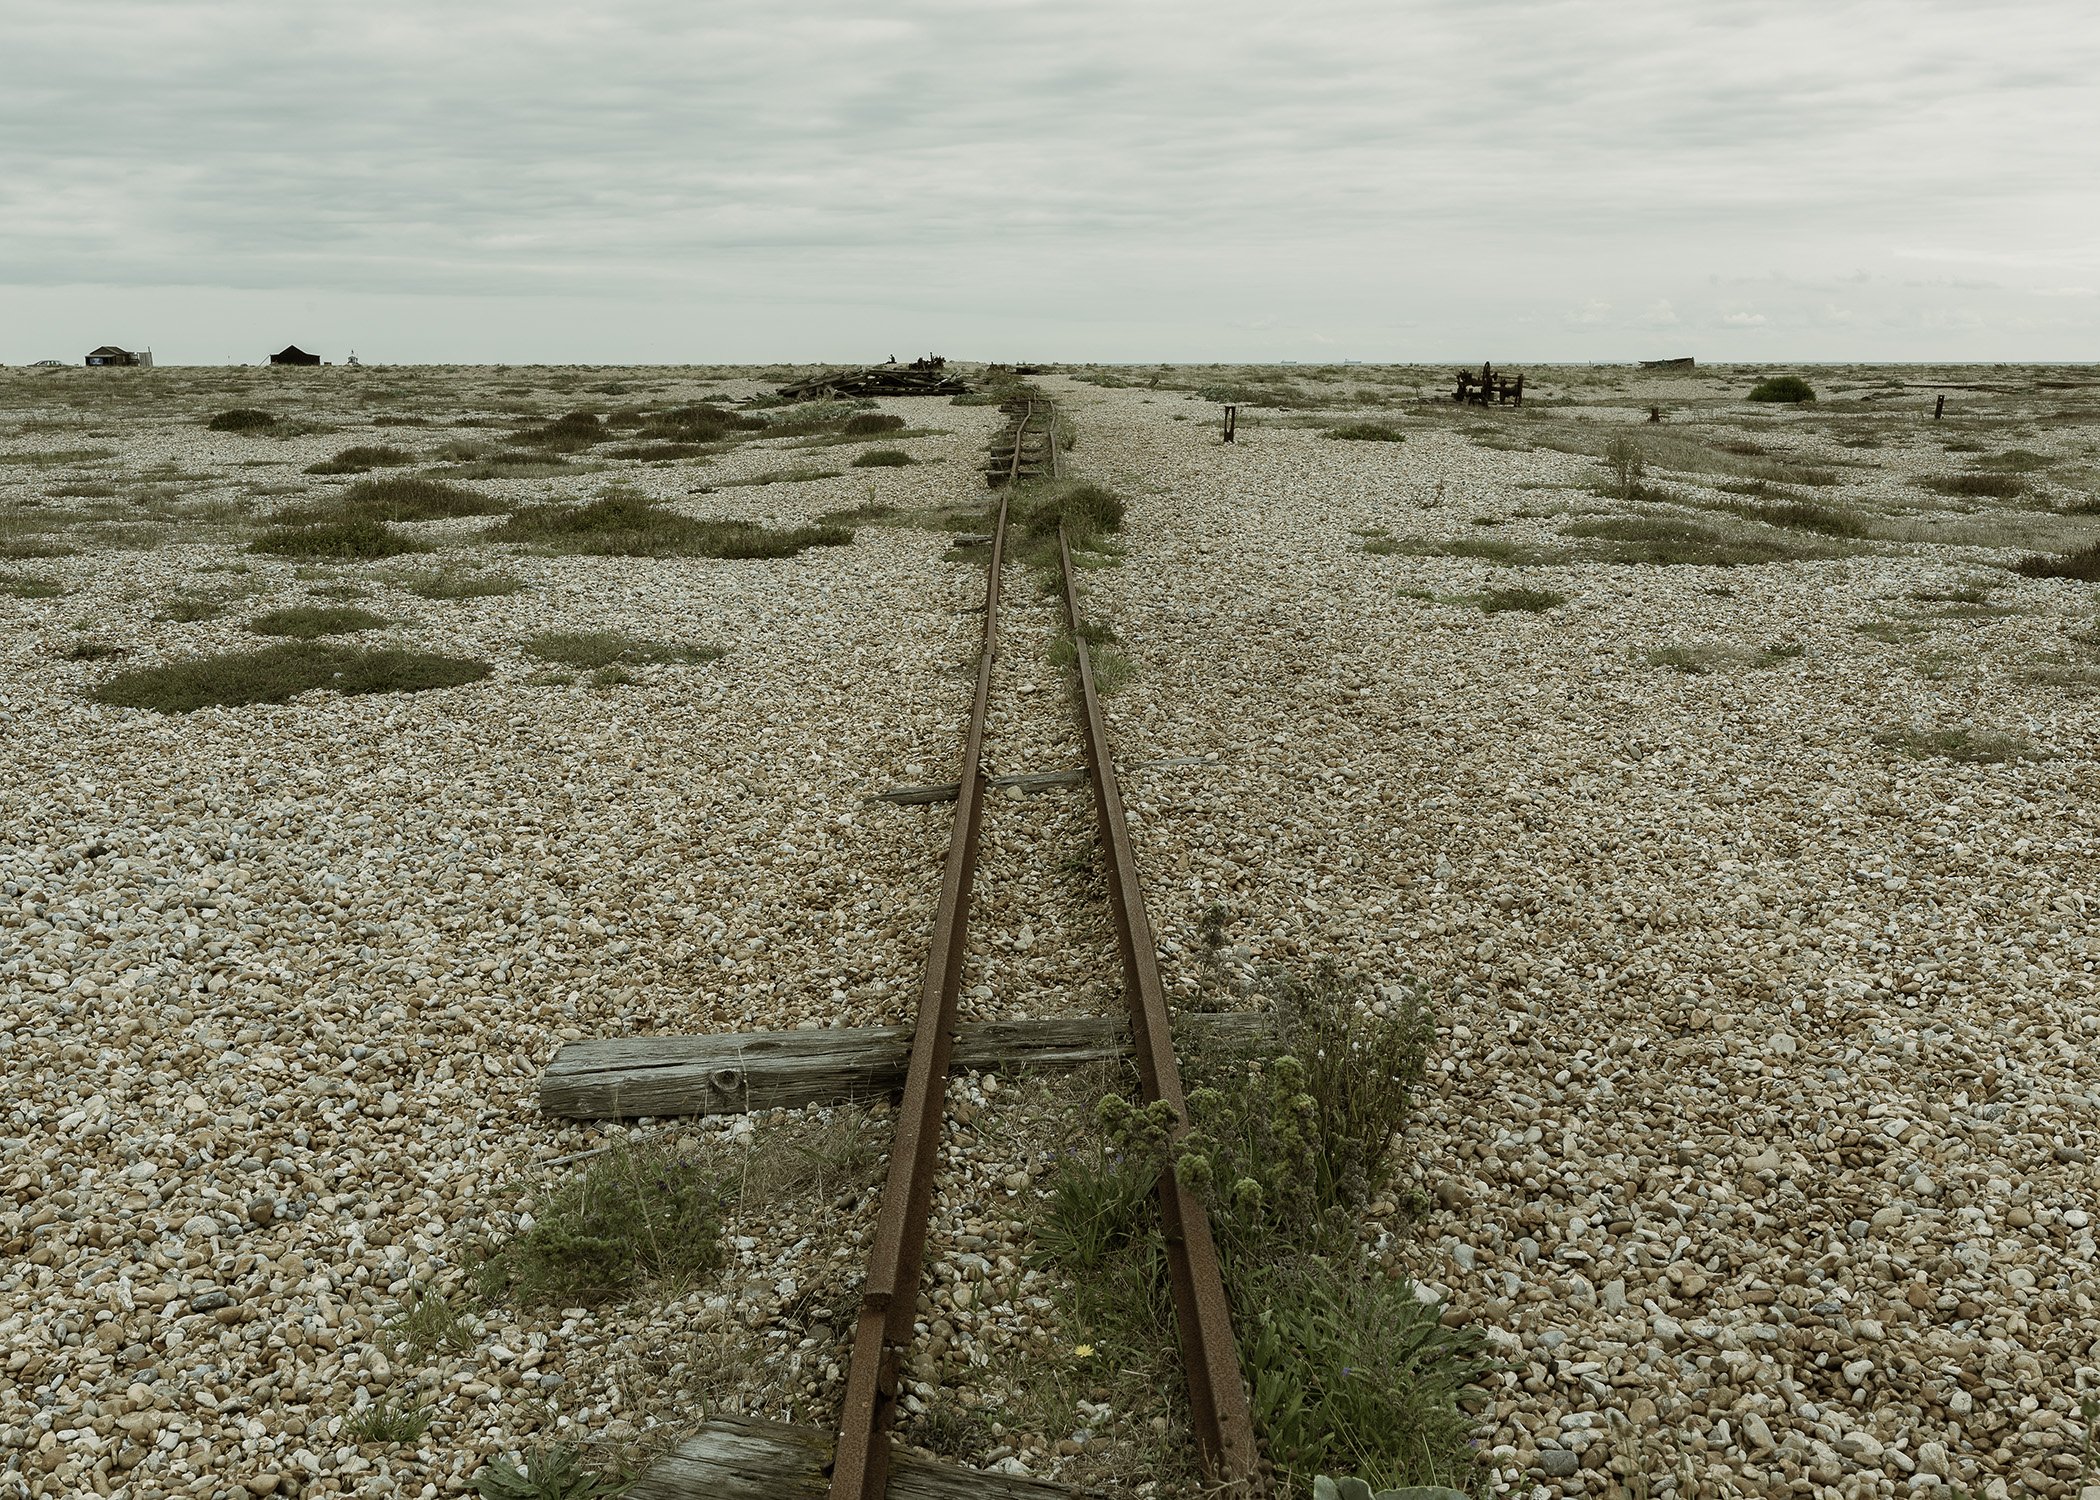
<point x="1592" y="311"/>
<point x="1660" y="314"/>
<point x="774" y="182"/>
<point x="1743" y="320"/>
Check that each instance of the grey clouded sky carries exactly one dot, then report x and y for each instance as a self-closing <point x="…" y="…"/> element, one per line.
<point x="641" y="180"/>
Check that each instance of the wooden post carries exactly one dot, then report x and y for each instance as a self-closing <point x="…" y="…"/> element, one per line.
<point x="1655" y="414"/>
<point x="1520" y="388"/>
<point x="1939" y="406"/>
<point x="1232" y="421"/>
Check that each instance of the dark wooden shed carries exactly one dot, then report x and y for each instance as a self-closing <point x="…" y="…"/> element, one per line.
<point x="110" y="354"/>
<point x="292" y="354"/>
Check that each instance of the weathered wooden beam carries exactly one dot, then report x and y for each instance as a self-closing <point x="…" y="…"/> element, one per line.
<point x="741" y="1458"/>
<point x="624" y="1078"/>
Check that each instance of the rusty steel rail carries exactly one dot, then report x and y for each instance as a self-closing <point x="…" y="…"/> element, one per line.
<point x="1218" y="1409"/>
<point x="889" y="1296"/>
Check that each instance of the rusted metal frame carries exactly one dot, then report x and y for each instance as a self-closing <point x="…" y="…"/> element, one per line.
<point x="889" y="1297"/>
<point x="1218" y="1409"/>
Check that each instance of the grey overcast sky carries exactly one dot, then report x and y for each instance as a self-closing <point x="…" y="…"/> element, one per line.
<point x="684" y="180"/>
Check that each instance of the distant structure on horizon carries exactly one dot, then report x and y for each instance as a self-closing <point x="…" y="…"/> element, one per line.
<point x="110" y="354"/>
<point x="292" y="354"/>
<point x="1684" y="363"/>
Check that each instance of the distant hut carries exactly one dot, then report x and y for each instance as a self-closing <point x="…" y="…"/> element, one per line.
<point x="292" y="354"/>
<point x="110" y="354"/>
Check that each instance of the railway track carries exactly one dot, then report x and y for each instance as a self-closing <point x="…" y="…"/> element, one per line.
<point x="883" y="1333"/>
<point x="745" y="1459"/>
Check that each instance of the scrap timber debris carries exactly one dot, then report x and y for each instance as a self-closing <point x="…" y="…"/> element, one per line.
<point x="927" y="376"/>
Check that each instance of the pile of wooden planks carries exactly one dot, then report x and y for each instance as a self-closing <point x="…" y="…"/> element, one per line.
<point x="925" y="376"/>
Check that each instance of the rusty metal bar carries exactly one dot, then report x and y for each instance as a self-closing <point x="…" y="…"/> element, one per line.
<point x="889" y="1297"/>
<point x="1218" y="1410"/>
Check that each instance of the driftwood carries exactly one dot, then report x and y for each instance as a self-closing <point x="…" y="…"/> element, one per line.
<point x="625" y="1078"/>
<point x="741" y="1458"/>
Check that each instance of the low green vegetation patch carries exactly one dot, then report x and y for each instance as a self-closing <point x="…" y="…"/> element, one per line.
<point x="565" y="434"/>
<point x="396" y="497"/>
<point x="1977" y="486"/>
<point x="607" y="648"/>
<point x="340" y="541"/>
<point x="1368" y="432"/>
<point x="1087" y="511"/>
<point x="792" y="475"/>
<point x="25" y="586"/>
<point x="277" y="674"/>
<point x="1348" y="1370"/>
<point x="1790" y="389"/>
<point x="308" y="622"/>
<point x="556" y="1473"/>
<point x="360" y="459"/>
<point x="1976" y="746"/>
<point x="89" y="648"/>
<point x="1527" y="601"/>
<point x="883" y="458"/>
<point x="1669" y="541"/>
<point x="871" y="423"/>
<point x="1804" y="515"/>
<point x="241" y="419"/>
<point x="624" y="524"/>
<point x="635" y="1216"/>
<point x="190" y="609"/>
<point x="461" y="583"/>
<point x="2083" y="565"/>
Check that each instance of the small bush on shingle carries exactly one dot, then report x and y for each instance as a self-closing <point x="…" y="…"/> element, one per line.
<point x="309" y="622"/>
<point x="1784" y="388"/>
<point x="241" y="419"/>
<point x="342" y="541"/>
<point x="277" y="674"/>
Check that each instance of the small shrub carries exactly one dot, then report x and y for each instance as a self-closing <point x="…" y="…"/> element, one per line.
<point x="345" y="541"/>
<point x="2083" y="565"/>
<point x="621" y="524"/>
<point x="26" y="548"/>
<point x="1666" y="542"/>
<point x="88" y="649"/>
<point x="361" y="458"/>
<point x="241" y="419"/>
<point x="869" y="423"/>
<point x="1628" y="466"/>
<point x="883" y="458"/>
<point x="1368" y="432"/>
<point x="452" y="583"/>
<point x="606" y="648"/>
<point x="1087" y="511"/>
<point x="565" y="434"/>
<point x="189" y="609"/>
<point x="1786" y="388"/>
<point x="630" y="1217"/>
<point x="1981" y="486"/>
<point x="1530" y="601"/>
<point x="32" y="588"/>
<point x="307" y="622"/>
<point x="396" y="497"/>
<point x="1974" y="746"/>
<point x="277" y="674"/>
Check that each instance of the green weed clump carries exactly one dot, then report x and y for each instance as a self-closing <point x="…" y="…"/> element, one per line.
<point x="870" y="423"/>
<point x="610" y="648"/>
<point x="389" y="1425"/>
<point x="883" y="458"/>
<point x="1368" y="432"/>
<point x="565" y="434"/>
<point x="624" y="524"/>
<point x="1528" y="601"/>
<point x="1791" y="389"/>
<point x="189" y="609"/>
<point x="2083" y="565"/>
<point x="308" y="622"/>
<point x="1087" y="511"/>
<point x="1347" y="1369"/>
<point x="396" y="497"/>
<point x="339" y="541"/>
<point x="1974" y="746"/>
<point x="360" y="459"/>
<point x="277" y="674"/>
<point x="1667" y="542"/>
<point x="548" y="1474"/>
<point x="633" y="1216"/>
<point x="1981" y="486"/>
<point x="241" y="419"/>
<point x="26" y="587"/>
<point x="1805" y="515"/>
